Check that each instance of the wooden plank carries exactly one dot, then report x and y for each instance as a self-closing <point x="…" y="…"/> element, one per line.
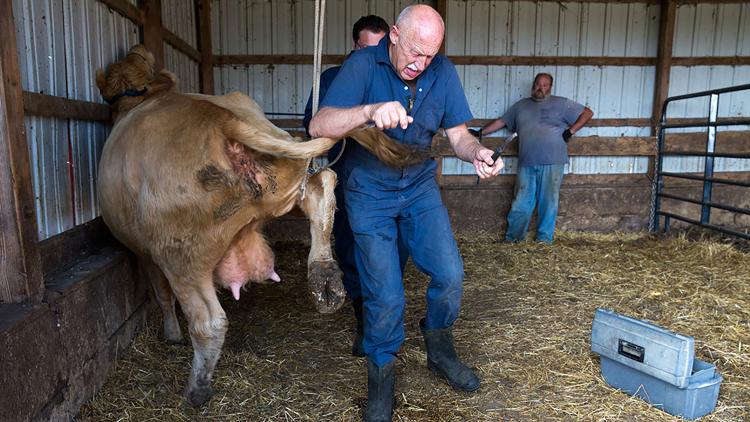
<point x="61" y="352"/>
<point x="553" y="60"/>
<point x="60" y="252"/>
<point x="664" y="57"/>
<point x="126" y="9"/>
<point x="711" y="61"/>
<point x="181" y="45"/>
<point x="588" y="145"/>
<point x="203" y="13"/>
<point x="734" y="142"/>
<point x="50" y="106"/>
<point x="20" y="269"/>
<point x="153" y="34"/>
<point x="591" y="123"/>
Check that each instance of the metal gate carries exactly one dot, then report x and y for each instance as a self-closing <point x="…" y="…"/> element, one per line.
<point x="706" y="203"/>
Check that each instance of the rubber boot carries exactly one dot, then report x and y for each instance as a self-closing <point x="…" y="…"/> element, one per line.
<point x="442" y="359"/>
<point x="357" y="347"/>
<point x="380" y="385"/>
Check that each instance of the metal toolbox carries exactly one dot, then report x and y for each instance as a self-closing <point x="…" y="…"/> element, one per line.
<point x="654" y="364"/>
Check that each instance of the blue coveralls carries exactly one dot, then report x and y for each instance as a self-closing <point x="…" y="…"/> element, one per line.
<point x="386" y="203"/>
<point x="342" y="232"/>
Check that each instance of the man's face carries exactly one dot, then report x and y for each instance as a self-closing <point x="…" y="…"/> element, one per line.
<point x="541" y="88"/>
<point x="368" y="38"/>
<point x="413" y="51"/>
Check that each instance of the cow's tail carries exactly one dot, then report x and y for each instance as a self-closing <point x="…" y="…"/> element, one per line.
<point x="269" y="139"/>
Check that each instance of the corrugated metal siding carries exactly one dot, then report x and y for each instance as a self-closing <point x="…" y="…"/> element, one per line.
<point x="278" y="27"/>
<point x="186" y="69"/>
<point x="178" y="16"/>
<point x="61" y="43"/>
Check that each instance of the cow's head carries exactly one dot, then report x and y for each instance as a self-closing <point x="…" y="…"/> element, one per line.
<point x="130" y="81"/>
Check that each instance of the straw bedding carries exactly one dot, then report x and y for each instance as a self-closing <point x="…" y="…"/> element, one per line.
<point x="525" y="327"/>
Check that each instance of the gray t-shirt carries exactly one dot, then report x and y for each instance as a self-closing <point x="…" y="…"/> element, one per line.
<point x="540" y="125"/>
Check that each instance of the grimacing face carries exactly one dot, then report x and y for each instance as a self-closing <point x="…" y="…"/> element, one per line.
<point x="541" y="88"/>
<point x="368" y="38"/>
<point x="412" y="51"/>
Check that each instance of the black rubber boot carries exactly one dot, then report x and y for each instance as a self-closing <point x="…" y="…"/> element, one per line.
<point x="380" y="385"/>
<point x="357" y="348"/>
<point x="442" y="359"/>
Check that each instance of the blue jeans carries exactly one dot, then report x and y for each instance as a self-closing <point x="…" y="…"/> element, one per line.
<point x="536" y="186"/>
<point x="385" y="205"/>
<point x="344" y="239"/>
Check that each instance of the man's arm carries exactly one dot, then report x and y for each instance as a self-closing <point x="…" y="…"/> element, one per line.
<point x="333" y="122"/>
<point x="584" y="118"/>
<point x="468" y="149"/>
<point x="494" y="126"/>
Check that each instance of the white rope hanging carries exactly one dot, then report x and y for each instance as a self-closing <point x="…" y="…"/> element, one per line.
<point x="320" y="14"/>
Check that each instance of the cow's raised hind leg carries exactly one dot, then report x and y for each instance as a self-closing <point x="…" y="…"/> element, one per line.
<point x="323" y="274"/>
<point x="207" y="325"/>
<point x="166" y="300"/>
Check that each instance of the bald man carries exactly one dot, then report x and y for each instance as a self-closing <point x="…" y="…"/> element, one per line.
<point x="404" y="87"/>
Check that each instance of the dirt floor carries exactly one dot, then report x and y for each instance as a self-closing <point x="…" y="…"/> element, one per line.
<point x="525" y="327"/>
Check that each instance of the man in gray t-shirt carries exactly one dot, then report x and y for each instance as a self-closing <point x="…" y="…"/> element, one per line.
<point x="544" y="124"/>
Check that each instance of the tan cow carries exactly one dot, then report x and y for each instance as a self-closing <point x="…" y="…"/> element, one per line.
<point x="186" y="181"/>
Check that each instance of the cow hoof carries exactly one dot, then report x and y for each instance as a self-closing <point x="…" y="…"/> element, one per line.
<point x="326" y="287"/>
<point x="198" y="395"/>
<point x="176" y="341"/>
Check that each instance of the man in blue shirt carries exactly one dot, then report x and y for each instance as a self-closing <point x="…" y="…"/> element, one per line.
<point x="544" y="124"/>
<point x="409" y="91"/>
<point x="367" y="31"/>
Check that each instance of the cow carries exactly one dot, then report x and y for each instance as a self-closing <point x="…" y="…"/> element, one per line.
<point x="187" y="181"/>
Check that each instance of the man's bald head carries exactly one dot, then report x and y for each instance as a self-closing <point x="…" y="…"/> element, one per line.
<point x="423" y="18"/>
<point x="416" y="38"/>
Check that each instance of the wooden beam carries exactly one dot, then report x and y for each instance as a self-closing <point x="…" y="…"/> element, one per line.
<point x="711" y="61"/>
<point x="637" y="122"/>
<point x="552" y="61"/>
<point x="181" y="45"/>
<point x="203" y="13"/>
<point x="617" y="146"/>
<point x="20" y="266"/>
<point x="664" y="57"/>
<point x="126" y="9"/>
<point x="64" y="108"/>
<point x="153" y="34"/>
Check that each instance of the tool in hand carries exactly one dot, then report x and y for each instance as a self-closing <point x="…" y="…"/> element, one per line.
<point x="499" y="150"/>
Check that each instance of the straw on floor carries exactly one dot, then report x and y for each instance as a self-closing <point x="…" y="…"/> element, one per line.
<point x="524" y="326"/>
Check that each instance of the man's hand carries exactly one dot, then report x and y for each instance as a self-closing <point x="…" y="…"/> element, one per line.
<point x="566" y="135"/>
<point x="477" y="133"/>
<point x="389" y="115"/>
<point x="484" y="165"/>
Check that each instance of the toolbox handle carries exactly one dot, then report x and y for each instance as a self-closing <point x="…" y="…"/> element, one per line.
<point x="631" y="350"/>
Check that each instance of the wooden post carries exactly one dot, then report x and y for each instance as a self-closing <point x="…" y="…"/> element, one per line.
<point x="20" y="265"/>
<point x="153" y="38"/>
<point x="203" y="8"/>
<point x="663" y="59"/>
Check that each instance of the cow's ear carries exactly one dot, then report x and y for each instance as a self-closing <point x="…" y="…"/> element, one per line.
<point x="101" y="80"/>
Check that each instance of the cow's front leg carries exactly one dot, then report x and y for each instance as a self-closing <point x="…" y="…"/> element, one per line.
<point x="207" y="324"/>
<point x="323" y="274"/>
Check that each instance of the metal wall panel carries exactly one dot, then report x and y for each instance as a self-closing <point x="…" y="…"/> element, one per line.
<point x="60" y="45"/>
<point x="178" y="16"/>
<point x="279" y="27"/>
<point x="186" y="69"/>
